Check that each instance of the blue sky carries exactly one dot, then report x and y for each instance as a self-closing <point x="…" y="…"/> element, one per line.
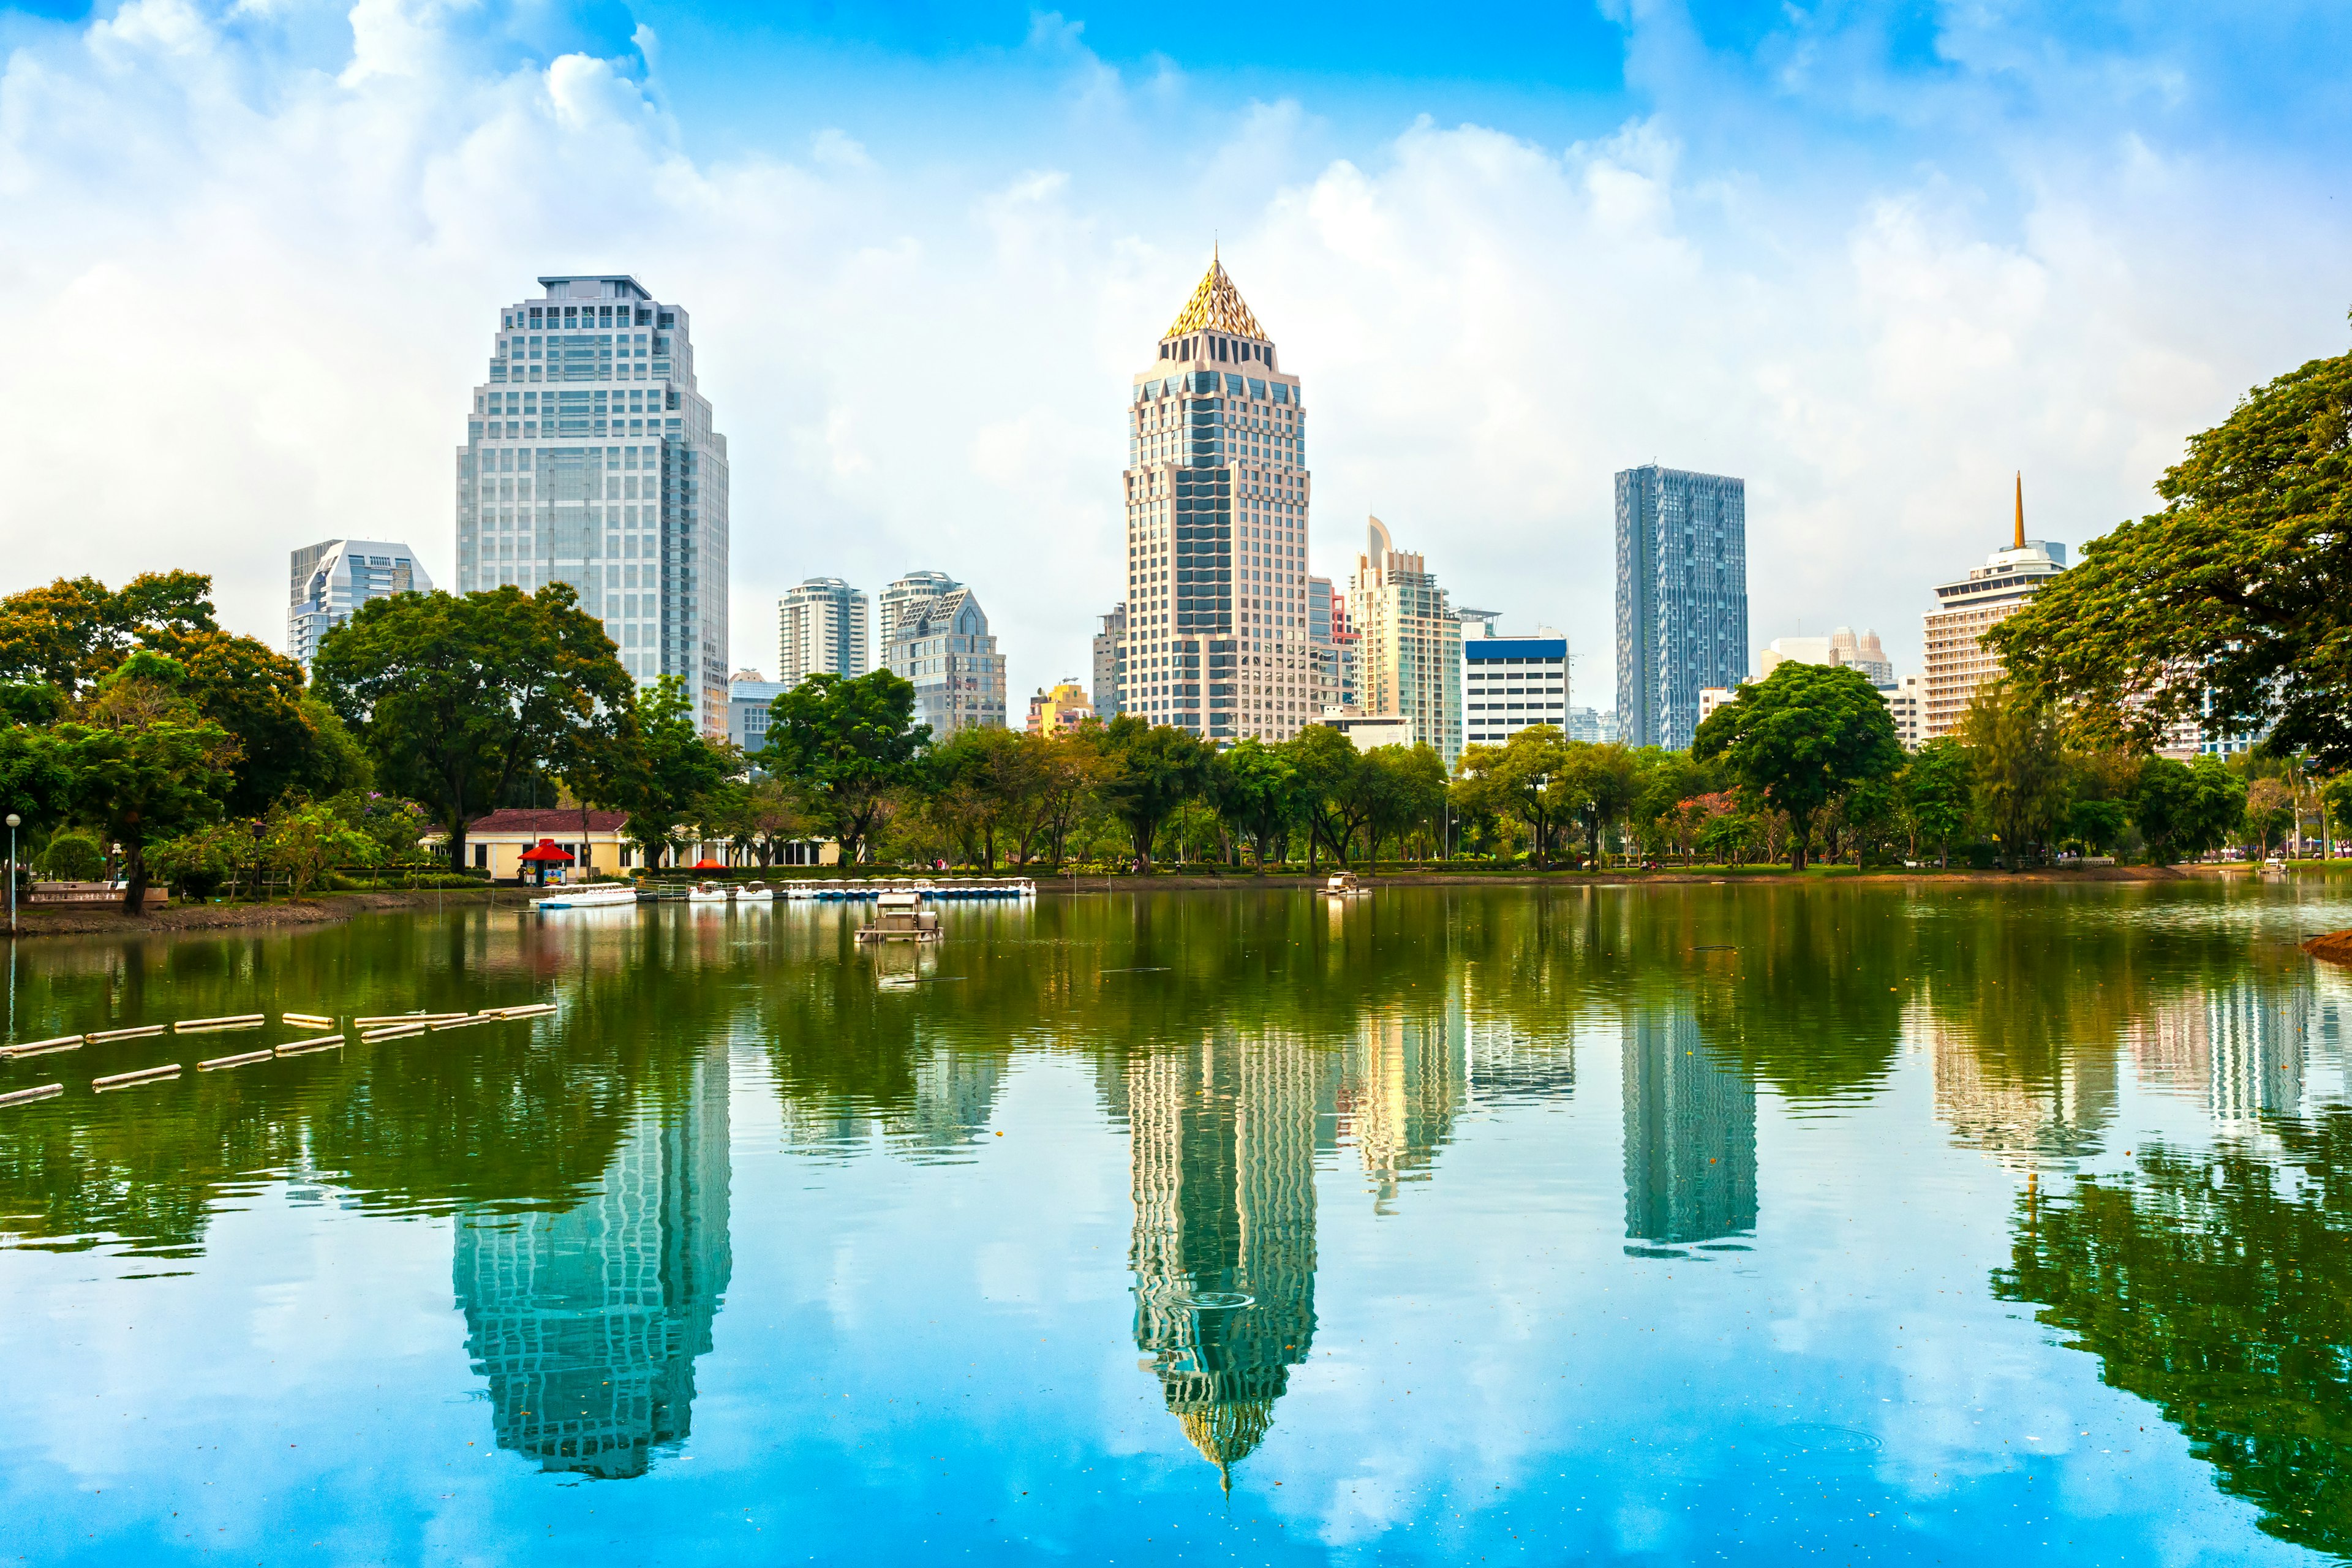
<point x="1872" y="258"/>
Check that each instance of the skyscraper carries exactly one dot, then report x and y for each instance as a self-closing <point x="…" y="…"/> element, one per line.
<point x="891" y="602"/>
<point x="591" y="459"/>
<point x="1108" y="640"/>
<point x="1682" y="598"/>
<point x="821" y="624"/>
<point x="1959" y="662"/>
<point x="1216" y="507"/>
<point x="585" y="1321"/>
<point x="331" y="579"/>
<point x="943" y="644"/>
<point x="1411" y="659"/>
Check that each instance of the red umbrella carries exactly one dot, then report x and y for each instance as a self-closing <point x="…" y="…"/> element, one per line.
<point x="708" y="866"/>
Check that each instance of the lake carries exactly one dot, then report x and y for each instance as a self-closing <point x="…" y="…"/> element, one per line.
<point x="1850" y="1223"/>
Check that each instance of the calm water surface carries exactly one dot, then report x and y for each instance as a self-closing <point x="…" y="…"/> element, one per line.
<point x="1683" y="1225"/>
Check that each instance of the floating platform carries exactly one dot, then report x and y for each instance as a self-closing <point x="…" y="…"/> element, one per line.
<point x="41" y="1047"/>
<point x="304" y="1048"/>
<point x="215" y="1026"/>
<point x="133" y="1080"/>
<point x="865" y="893"/>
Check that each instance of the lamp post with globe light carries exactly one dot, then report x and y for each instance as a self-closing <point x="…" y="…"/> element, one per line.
<point x="14" y="820"/>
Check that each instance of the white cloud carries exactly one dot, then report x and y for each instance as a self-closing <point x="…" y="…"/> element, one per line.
<point x="250" y="281"/>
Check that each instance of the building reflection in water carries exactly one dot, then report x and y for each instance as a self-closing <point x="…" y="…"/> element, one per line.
<point x="1222" y="1155"/>
<point x="2238" y="1051"/>
<point x="1690" y="1135"/>
<point x="587" y="1322"/>
<point x="2050" y="1104"/>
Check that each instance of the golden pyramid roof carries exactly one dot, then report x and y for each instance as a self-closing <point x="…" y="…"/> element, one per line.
<point x="1216" y="307"/>
<point x="1227" y="1434"/>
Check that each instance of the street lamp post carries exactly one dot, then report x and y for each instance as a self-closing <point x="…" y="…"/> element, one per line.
<point x="14" y="821"/>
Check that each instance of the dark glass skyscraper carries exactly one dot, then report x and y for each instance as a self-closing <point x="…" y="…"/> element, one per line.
<point x="1682" y="599"/>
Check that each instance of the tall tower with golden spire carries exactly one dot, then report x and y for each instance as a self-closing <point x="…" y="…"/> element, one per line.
<point x="1216" y="507"/>
<point x="2018" y="542"/>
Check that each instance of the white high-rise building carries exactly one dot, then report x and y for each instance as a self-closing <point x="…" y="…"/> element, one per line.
<point x="1510" y="683"/>
<point x="823" y="627"/>
<point x="331" y="579"/>
<point x="590" y="459"/>
<point x="1217" y="495"/>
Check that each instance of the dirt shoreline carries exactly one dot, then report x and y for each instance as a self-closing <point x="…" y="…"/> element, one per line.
<point x="328" y="909"/>
<point x="2336" y="947"/>
<point x="107" y="920"/>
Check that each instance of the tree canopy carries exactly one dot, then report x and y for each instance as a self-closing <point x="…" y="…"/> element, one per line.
<point x="850" y="744"/>
<point x="1802" y="735"/>
<point x="2232" y="606"/>
<point x="456" y="697"/>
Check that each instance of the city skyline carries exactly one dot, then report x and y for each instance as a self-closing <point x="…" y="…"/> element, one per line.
<point x="1894" y="313"/>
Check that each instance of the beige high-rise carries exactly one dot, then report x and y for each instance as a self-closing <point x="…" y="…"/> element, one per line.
<point x="1216" y="639"/>
<point x="1410" y="661"/>
<point x="1959" y="662"/>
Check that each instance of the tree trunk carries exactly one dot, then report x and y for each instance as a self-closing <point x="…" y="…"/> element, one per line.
<point x="134" y="878"/>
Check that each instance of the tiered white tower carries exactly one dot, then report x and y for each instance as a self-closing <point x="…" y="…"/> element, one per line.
<point x="1217" y="496"/>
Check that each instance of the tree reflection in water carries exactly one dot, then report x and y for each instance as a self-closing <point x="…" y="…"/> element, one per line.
<point x="2218" y="1288"/>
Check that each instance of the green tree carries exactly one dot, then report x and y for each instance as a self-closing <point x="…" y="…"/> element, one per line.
<point x="849" y="746"/>
<point x="1602" y="784"/>
<point x="144" y="783"/>
<point x="1805" y="733"/>
<point x="304" y="840"/>
<point x="2270" y="811"/>
<point x="71" y="634"/>
<point x="1932" y="795"/>
<point x="2184" y="809"/>
<point x="1406" y="789"/>
<point x="2233" y="605"/>
<point x="458" y="698"/>
<point x="285" y="740"/>
<point x="1255" y="788"/>
<point x="1527" y="779"/>
<point x="666" y="768"/>
<point x="35" y="780"/>
<point x="1150" y="771"/>
<point x="2018" y="766"/>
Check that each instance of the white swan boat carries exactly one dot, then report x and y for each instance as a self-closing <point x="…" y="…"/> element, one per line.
<point x="706" y="893"/>
<point x="755" y="893"/>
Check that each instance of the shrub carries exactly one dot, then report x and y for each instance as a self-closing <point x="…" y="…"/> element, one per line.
<point x="72" y="857"/>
